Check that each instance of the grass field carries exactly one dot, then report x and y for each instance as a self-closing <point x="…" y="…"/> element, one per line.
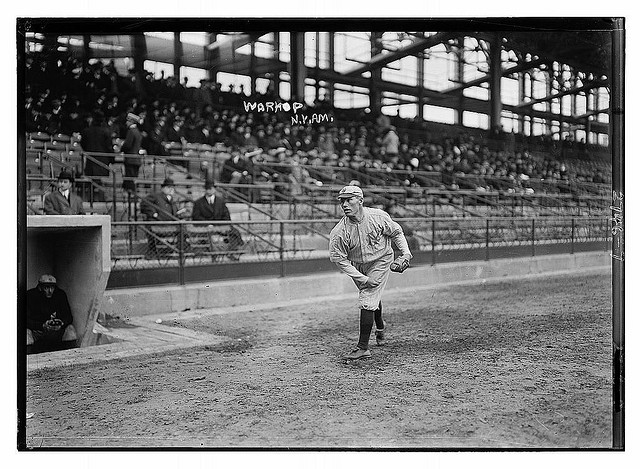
<point x="521" y="363"/>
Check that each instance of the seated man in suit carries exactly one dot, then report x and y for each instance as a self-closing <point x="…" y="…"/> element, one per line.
<point x="212" y="206"/>
<point x="63" y="201"/>
<point x="162" y="206"/>
<point x="49" y="318"/>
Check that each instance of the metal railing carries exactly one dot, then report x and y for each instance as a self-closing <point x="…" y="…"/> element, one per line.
<point x="434" y="201"/>
<point x="185" y="244"/>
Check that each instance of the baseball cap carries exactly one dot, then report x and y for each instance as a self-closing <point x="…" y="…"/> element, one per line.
<point x="350" y="191"/>
<point x="47" y="279"/>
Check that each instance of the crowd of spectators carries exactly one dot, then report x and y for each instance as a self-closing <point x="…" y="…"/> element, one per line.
<point x="63" y="95"/>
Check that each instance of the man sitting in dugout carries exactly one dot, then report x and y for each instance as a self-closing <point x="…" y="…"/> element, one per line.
<point x="49" y="318"/>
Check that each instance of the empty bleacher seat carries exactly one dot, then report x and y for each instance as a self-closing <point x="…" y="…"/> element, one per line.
<point x="55" y="145"/>
<point x="43" y="136"/>
<point x="62" y="138"/>
<point x="57" y="154"/>
<point x="33" y="163"/>
<point x="35" y="145"/>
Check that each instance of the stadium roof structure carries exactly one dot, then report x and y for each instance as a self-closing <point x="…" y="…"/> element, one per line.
<point x="578" y="60"/>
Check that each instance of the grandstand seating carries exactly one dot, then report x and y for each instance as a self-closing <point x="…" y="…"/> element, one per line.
<point x="441" y="171"/>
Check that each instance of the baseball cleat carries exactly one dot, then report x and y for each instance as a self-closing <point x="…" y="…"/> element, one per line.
<point x="357" y="354"/>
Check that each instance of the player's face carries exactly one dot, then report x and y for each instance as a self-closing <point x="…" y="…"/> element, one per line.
<point x="351" y="206"/>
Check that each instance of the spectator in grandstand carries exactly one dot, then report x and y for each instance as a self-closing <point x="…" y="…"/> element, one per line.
<point x="325" y="142"/>
<point x="249" y="141"/>
<point x="237" y="169"/>
<point x="161" y="206"/>
<point x="152" y="142"/>
<point x="49" y="318"/>
<point x="62" y="200"/>
<point x="175" y="133"/>
<point x="202" y="97"/>
<point x="53" y="117"/>
<point x="96" y="137"/>
<point x="299" y="176"/>
<point x="193" y="129"/>
<point x="34" y="120"/>
<point x="212" y="206"/>
<point x="73" y="121"/>
<point x="390" y="144"/>
<point x="131" y="149"/>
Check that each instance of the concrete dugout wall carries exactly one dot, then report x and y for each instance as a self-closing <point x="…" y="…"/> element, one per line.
<point x="261" y="291"/>
<point x="76" y="250"/>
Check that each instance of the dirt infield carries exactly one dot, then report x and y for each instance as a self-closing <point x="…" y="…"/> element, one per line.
<point x="503" y="364"/>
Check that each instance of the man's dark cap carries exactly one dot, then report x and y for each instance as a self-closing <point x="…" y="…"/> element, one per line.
<point x="168" y="182"/>
<point x="210" y="184"/>
<point x="47" y="279"/>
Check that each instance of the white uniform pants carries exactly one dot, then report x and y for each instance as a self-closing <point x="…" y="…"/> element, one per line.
<point x="369" y="298"/>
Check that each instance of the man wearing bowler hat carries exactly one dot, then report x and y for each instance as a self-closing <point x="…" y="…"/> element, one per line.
<point x="49" y="318"/>
<point x="161" y="206"/>
<point x="212" y="206"/>
<point x="361" y="246"/>
<point x="63" y="201"/>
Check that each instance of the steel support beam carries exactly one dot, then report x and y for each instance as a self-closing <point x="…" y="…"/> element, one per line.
<point x="572" y="91"/>
<point x="139" y="52"/>
<point x="495" y="67"/>
<point x="298" y="71"/>
<point x="375" y="96"/>
<point x="507" y="71"/>
<point x="382" y="59"/>
<point x="177" y="55"/>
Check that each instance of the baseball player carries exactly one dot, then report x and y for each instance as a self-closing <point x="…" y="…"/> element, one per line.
<point x="360" y="245"/>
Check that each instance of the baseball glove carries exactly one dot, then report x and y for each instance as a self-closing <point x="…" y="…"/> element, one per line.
<point x="53" y="324"/>
<point x="399" y="265"/>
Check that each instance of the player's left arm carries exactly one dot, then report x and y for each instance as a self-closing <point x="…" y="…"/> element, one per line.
<point x="393" y="230"/>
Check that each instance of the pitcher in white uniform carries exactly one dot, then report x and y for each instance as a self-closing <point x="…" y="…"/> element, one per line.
<point x="360" y="245"/>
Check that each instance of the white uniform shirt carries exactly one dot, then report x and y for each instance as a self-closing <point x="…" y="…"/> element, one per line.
<point x="366" y="241"/>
